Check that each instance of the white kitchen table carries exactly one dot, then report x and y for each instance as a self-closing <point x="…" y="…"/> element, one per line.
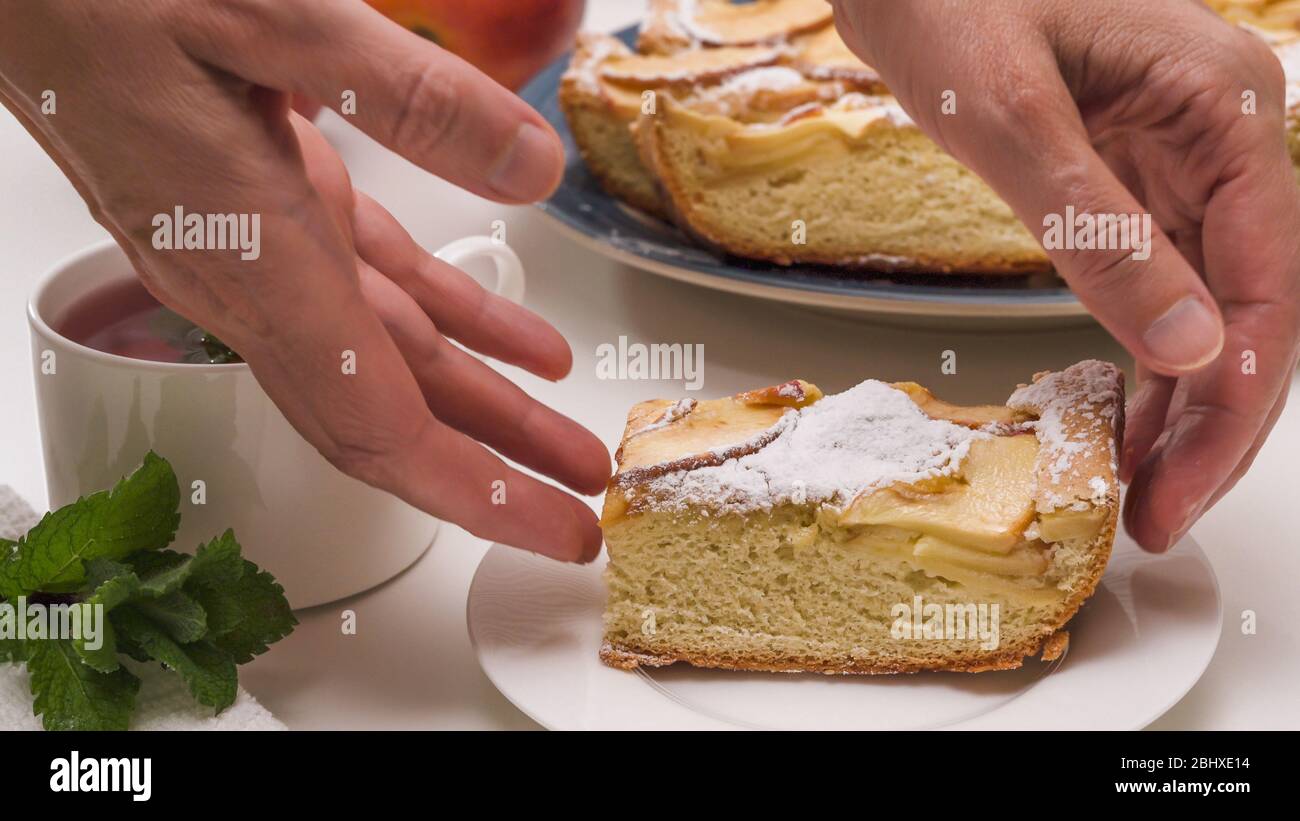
<point x="411" y="666"/>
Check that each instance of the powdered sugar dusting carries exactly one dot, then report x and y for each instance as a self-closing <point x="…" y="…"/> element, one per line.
<point x="885" y="105"/>
<point x="671" y="414"/>
<point x="686" y="23"/>
<point x="1099" y="487"/>
<point x="1075" y="407"/>
<point x="740" y="92"/>
<point x="872" y="435"/>
<point x="592" y="52"/>
<point x="768" y="78"/>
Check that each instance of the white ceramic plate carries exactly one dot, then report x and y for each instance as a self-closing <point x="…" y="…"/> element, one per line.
<point x="1136" y="648"/>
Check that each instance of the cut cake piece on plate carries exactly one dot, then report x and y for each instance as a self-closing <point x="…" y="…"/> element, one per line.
<point x="879" y="530"/>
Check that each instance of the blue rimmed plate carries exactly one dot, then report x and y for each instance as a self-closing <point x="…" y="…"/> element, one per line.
<point x="583" y="211"/>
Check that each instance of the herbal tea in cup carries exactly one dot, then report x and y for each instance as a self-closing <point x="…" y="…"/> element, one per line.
<point x="124" y="319"/>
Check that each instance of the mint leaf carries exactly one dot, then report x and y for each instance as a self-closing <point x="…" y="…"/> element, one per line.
<point x="71" y="696"/>
<point x="247" y="614"/>
<point x="207" y="671"/>
<point x="111" y="583"/>
<point x="130" y="648"/>
<point x="154" y="561"/>
<point x="140" y="513"/>
<point x="115" y="584"/>
<point x="50" y="555"/>
<point x="104" y="657"/>
<point x="179" y="615"/>
<point x="164" y="571"/>
<point x="219" y="561"/>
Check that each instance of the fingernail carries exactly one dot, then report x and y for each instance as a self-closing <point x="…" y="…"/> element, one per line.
<point x="1174" y="539"/>
<point x="527" y="170"/>
<point x="1188" y="336"/>
<point x="1186" y="526"/>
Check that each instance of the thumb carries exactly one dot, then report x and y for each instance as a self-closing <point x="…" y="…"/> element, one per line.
<point x="1025" y="137"/>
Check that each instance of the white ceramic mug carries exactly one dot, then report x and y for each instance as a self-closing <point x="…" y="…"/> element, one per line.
<point x="321" y="533"/>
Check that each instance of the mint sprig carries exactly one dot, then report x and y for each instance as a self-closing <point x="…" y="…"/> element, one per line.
<point x="198" y="615"/>
<point x="139" y="514"/>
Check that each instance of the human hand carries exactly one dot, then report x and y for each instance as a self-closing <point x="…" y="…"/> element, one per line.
<point x="1118" y="108"/>
<point x="185" y="103"/>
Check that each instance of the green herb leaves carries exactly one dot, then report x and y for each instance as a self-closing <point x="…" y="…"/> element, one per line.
<point x="139" y="514"/>
<point x="199" y="616"/>
<point x="72" y="696"/>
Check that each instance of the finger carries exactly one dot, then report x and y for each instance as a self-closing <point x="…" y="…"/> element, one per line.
<point x="423" y="102"/>
<point x="1244" y="465"/>
<point x="1254" y="270"/>
<point x="1223" y="414"/>
<point x="1145" y="419"/>
<point x="476" y="400"/>
<point x="460" y="307"/>
<point x="372" y="423"/>
<point x="1249" y="458"/>
<point x="451" y="476"/>
<point x="540" y="520"/>
<point x="326" y="173"/>
<point x="484" y="321"/>
<point x="1144" y="292"/>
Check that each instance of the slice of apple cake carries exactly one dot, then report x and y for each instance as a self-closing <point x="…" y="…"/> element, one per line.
<point x="878" y="530"/>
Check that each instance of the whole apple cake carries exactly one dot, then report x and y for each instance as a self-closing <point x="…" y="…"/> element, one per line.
<point x="755" y="129"/>
<point x="878" y="530"/>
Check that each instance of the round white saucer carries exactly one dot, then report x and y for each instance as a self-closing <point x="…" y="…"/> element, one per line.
<point x="1136" y="648"/>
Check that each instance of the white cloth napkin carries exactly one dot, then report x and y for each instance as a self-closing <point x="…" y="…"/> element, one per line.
<point x="163" y="702"/>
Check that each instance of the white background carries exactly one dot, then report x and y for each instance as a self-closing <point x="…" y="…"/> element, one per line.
<point x="411" y="665"/>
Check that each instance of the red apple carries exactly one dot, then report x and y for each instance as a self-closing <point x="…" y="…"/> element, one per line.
<point x="509" y="40"/>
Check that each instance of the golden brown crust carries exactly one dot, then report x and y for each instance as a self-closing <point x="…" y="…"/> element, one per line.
<point x="1099" y="555"/>
<point x="1084" y="401"/>
<point x="625" y="658"/>
<point x="1081" y="426"/>
<point x="822" y="55"/>
<point x="796" y="393"/>
<point x="1056" y="645"/>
